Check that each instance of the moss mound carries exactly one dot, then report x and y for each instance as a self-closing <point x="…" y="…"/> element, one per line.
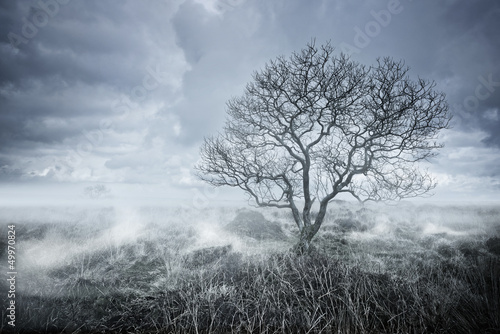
<point x="254" y="225"/>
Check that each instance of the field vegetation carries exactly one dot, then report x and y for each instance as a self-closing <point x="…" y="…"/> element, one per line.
<point x="374" y="269"/>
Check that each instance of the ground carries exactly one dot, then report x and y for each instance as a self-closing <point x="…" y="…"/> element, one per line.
<point x="390" y="269"/>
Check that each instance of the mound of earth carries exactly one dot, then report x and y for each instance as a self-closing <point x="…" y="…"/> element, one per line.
<point x="253" y="224"/>
<point x="207" y="255"/>
<point x="351" y="224"/>
<point x="493" y="245"/>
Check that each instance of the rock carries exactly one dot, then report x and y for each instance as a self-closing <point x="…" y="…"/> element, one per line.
<point x="253" y="224"/>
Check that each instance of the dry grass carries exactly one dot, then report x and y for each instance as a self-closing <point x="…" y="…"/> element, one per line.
<point x="417" y="272"/>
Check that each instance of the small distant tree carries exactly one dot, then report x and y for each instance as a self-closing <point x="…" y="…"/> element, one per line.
<point x="316" y="125"/>
<point x="96" y="191"/>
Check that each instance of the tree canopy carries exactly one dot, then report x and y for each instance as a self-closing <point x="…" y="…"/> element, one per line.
<point x="316" y="125"/>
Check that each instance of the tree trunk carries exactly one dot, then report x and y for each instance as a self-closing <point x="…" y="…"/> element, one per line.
<point x="309" y="231"/>
<point x="304" y="245"/>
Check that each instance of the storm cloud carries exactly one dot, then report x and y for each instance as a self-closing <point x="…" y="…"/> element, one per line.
<point x="125" y="91"/>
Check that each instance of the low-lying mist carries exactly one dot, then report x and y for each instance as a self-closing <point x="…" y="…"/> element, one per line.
<point x="54" y="236"/>
<point x="98" y="259"/>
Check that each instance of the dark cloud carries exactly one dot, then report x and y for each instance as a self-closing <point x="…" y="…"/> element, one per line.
<point x="79" y="44"/>
<point x="89" y="64"/>
<point x="223" y="52"/>
<point x="125" y="90"/>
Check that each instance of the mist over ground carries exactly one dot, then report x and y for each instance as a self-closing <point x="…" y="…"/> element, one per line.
<point x="121" y="267"/>
<point x="49" y="236"/>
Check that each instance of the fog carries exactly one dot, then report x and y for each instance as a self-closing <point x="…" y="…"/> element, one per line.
<point x="120" y="194"/>
<point x="51" y="236"/>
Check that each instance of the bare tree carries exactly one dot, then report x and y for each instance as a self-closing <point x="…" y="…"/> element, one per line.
<point x="316" y="125"/>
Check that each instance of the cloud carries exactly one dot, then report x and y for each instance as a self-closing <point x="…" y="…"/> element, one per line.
<point x="125" y="91"/>
<point x="91" y="79"/>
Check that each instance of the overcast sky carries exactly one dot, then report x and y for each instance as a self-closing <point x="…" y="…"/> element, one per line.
<point x="123" y="92"/>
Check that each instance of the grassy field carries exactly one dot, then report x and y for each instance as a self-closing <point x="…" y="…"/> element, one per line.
<point x="375" y="269"/>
